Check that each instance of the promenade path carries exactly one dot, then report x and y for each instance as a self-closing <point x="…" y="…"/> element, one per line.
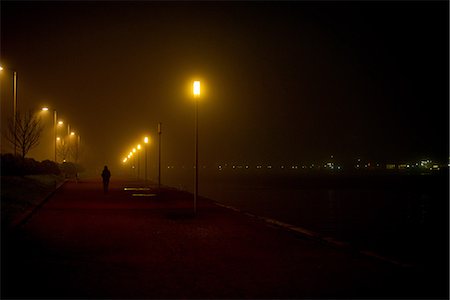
<point x="84" y="244"/>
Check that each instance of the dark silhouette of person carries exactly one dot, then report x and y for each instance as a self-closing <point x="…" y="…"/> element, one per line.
<point x="106" y="174"/>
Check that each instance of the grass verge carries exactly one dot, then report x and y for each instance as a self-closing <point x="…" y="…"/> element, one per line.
<point x="19" y="194"/>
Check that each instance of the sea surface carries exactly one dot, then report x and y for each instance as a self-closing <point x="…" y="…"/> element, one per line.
<point x="403" y="217"/>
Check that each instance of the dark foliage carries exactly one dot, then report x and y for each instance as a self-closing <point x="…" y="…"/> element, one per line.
<point x="69" y="169"/>
<point x="12" y="165"/>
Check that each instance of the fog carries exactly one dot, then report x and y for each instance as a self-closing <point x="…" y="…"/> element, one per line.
<point x="281" y="83"/>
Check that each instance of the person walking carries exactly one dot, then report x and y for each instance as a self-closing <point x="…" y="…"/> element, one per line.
<point x="106" y="174"/>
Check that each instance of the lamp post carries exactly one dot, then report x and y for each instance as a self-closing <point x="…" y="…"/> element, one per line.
<point x="139" y="160"/>
<point x="196" y="91"/>
<point x="78" y="147"/>
<point x="71" y="147"/>
<point x="159" y="155"/>
<point x="130" y="155"/>
<point x="54" y="126"/>
<point x="61" y="142"/>
<point x="146" y="151"/>
<point x="135" y="170"/>
<point x="14" y="104"/>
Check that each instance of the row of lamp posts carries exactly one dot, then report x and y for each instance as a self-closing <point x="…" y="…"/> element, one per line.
<point x="196" y="93"/>
<point x="135" y="152"/>
<point x="55" y="121"/>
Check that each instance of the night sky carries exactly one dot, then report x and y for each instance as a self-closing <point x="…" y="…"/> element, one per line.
<point x="296" y="81"/>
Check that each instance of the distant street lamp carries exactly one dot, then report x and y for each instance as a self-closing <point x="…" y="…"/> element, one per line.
<point x="15" y="105"/>
<point x="139" y="160"/>
<point x="134" y="162"/>
<point x="54" y="126"/>
<point x="146" y="151"/>
<point x="159" y="155"/>
<point x="78" y="148"/>
<point x="196" y="91"/>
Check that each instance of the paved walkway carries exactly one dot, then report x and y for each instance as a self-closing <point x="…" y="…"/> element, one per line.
<point x="84" y="244"/>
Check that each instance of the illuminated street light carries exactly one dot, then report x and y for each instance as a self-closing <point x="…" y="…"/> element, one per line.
<point x="159" y="155"/>
<point x="15" y="105"/>
<point x="197" y="88"/>
<point x="139" y="161"/>
<point x="196" y="91"/>
<point x="54" y="127"/>
<point x="72" y="133"/>
<point x="146" y="140"/>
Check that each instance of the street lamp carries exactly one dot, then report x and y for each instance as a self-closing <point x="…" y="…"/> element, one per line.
<point x="15" y="105"/>
<point x="139" y="160"/>
<point x="134" y="162"/>
<point x="54" y="126"/>
<point x="146" y="140"/>
<point x="196" y="91"/>
<point x="159" y="155"/>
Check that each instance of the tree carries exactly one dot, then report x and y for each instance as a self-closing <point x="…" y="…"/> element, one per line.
<point x="27" y="133"/>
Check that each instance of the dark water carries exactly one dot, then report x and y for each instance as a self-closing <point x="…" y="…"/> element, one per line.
<point x="400" y="216"/>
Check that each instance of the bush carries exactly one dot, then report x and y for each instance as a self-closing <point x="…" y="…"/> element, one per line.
<point x="69" y="169"/>
<point x="50" y="167"/>
<point x="12" y="165"/>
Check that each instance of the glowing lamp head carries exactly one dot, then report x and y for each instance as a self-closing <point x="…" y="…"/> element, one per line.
<point x="44" y="109"/>
<point x="134" y="150"/>
<point x="1" y="68"/>
<point x="146" y="140"/>
<point x="125" y="160"/>
<point x="139" y="147"/>
<point x="72" y="133"/>
<point x="196" y="88"/>
<point x="60" y="123"/>
<point x="58" y="138"/>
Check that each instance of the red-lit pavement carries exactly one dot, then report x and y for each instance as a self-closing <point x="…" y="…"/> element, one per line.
<point x="84" y="244"/>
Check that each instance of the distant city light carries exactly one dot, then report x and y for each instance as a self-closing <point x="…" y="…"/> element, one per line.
<point x="45" y="109"/>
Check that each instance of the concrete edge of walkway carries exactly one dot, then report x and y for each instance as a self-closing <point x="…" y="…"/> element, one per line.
<point x="28" y="213"/>
<point x="305" y="233"/>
